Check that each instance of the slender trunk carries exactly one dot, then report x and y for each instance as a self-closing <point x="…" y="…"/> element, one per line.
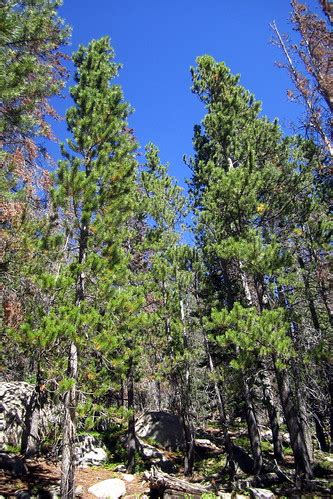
<point x="300" y="398"/>
<point x="30" y="444"/>
<point x="122" y="394"/>
<point x="330" y="387"/>
<point x="273" y="417"/>
<point x="297" y="438"/>
<point x="131" y="436"/>
<point x="159" y="395"/>
<point x="308" y="295"/>
<point x="67" y="486"/>
<point x="230" y="464"/>
<point x="189" y="445"/>
<point x="321" y="437"/>
<point x="253" y="429"/>
<point x="251" y="419"/>
<point x="186" y="403"/>
<point x="223" y="418"/>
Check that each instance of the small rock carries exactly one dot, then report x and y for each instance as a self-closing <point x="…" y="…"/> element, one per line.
<point x="224" y="495"/>
<point x="261" y="493"/>
<point x="112" y="488"/>
<point x="79" y="491"/>
<point x="120" y="468"/>
<point x="206" y="443"/>
<point x="127" y="477"/>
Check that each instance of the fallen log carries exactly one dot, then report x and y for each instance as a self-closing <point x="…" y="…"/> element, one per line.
<point x="160" y="482"/>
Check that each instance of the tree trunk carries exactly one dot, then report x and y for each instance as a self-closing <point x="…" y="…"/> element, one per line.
<point x="297" y="438"/>
<point x="67" y="486"/>
<point x="189" y="445"/>
<point x="30" y="444"/>
<point x="321" y="437"/>
<point x="308" y="295"/>
<point x="330" y="387"/>
<point x="273" y="417"/>
<point x="186" y="403"/>
<point x="223" y="418"/>
<point x="300" y="398"/>
<point x="251" y="419"/>
<point x="218" y="392"/>
<point x="131" y="436"/>
<point x="159" y="482"/>
<point x="253" y="429"/>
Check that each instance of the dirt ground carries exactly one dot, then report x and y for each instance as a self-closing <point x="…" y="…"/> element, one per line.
<point x="45" y="476"/>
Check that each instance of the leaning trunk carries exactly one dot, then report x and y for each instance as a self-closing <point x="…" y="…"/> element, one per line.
<point x="320" y="433"/>
<point x="297" y="438"/>
<point x="67" y="485"/>
<point x="253" y="429"/>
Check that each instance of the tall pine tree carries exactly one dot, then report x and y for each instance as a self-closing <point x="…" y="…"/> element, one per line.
<point x="93" y="196"/>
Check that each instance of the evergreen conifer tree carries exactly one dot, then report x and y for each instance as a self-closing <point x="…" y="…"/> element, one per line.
<point x="93" y="195"/>
<point x="243" y="174"/>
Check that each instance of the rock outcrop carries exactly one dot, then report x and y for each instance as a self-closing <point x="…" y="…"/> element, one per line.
<point x="90" y="451"/>
<point x="164" y="428"/>
<point x="15" y="403"/>
<point x="15" y="400"/>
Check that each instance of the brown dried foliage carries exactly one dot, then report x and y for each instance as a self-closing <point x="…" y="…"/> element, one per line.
<point x="309" y="64"/>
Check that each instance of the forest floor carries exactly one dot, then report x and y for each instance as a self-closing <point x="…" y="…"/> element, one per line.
<point x="45" y="476"/>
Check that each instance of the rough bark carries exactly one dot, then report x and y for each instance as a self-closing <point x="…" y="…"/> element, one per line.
<point x="273" y="417"/>
<point x="189" y="445"/>
<point x="253" y="429"/>
<point x="297" y="438"/>
<point x="330" y="387"/>
<point x="186" y="404"/>
<point x="160" y="481"/>
<point x="308" y="295"/>
<point x="67" y="485"/>
<point x="251" y="419"/>
<point x="30" y="444"/>
<point x="131" y="435"/>
<point x="321" y="437"/>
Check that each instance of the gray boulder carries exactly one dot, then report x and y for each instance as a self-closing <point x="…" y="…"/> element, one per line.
<point x="164" y="428"/>
<point x="156" y="457"/>
<point x="90" y="451"/>
<point x="261" y="493"/>
<point x="15" y="398"/>
<point x="112" y="488"/>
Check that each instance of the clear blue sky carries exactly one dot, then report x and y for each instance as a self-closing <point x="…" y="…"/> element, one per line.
<point x="158" y="40"/>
